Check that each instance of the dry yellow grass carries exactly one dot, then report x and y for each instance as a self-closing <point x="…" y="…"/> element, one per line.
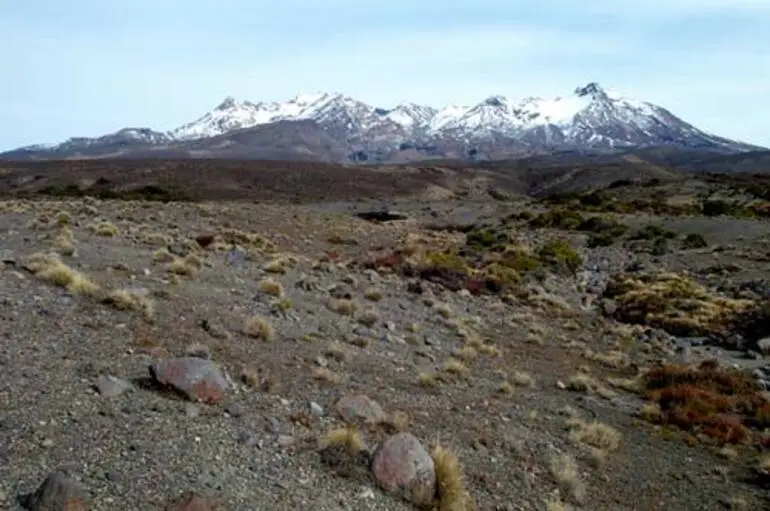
<point x="106" y="229"/>
<point x="455" y="367"/>
<point x="126" y="300"/>
<point x="565" y="471"/>
<point x="162" y="255"/>
<point x="673" y="302"/>
<point x="64" y="241"/>
<point x="505" y="387"/>
<point x="336" y="351"/>
<point x="271" y="287"/>
<point x="368" y="317"/>
<point x="156" y="239"/>
<point x="522" y="379"/>
<point x="444" y="310"/>
<point x="429" y="380"/>
<point x="259" y="327"/>
<point x="278" y="265"/>
<point x="594" y="433"/>
<point x="582" y="382"/>
<point x="372" y="293"/>
<point x="466" y="353"/>
<point x="349" y="438"/>
<point x="452" y="492"/>
<point x="326" y="375"/>
<point x="48" y="268"/>
<point x="343" y="307"/>
<point x="189" y="266"/>
<point x="63" y="218"/>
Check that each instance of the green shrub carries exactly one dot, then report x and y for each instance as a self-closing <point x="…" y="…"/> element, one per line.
<point x="560" y="254"/>
<point x="652" y="232"/>
<point x="694" y="240"/>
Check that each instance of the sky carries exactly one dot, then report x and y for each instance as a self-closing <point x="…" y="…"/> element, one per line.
<point x="90" y="67"/>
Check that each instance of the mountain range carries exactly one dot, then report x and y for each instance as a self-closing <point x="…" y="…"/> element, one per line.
<point x="337" y="128"/>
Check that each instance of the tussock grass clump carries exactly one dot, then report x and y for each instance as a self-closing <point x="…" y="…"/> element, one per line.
<point x="271" y="287"/>
<point x="368" y="317"/>
<point x="566" y="472"/>
<point x="372" y="293"/>
<point x="126" y="300"/>
<point x="345" y="451"/>
<point x="106" y="229"/>
<point x="674" y="303"/>
<point x="231" y="237"/>
<point x="455" y="367"/>
<point x="278" y="265"/>
<point x="162" y="255"/>
<point x="348" y="437"/>
<point x="187" y="266"/>
<point x="64" y="241"/>
<point x="49" y="268"/>
<point x="343" y="307"/>
<point x="452" y="492"/>
<point x="723" y="405"/>
<point x="156" y="239"/>
<point x="63" y="218"/>
<point x="336" y="351"/>
<point x="430" y="379"/>
<point x="595" y="434"/>
<point x="326" y="375"/>
<point x="522" y="379"/>
<point x="282" y="304"/>
<point x="259" y="327"/>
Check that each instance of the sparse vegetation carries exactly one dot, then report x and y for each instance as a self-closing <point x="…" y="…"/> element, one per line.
<point x="721" y="405"/>
<point x="674" y="303"/>
<point x="259" y="327"/>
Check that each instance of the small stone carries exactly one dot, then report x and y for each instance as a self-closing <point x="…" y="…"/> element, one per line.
<point x="316" y="409"/>
<point x="609" y="307"/>
<point x="58" y="491"/>
<point x="402" y="466"/>
<point x="273" y="425"/>
<point x="360" y="408"/>
<point x="763" y="345"/>
<point x="191" y="411"/>
<point x="234" y="410"/>
<point x="196" y="378"/>
<point x="191" y="501"/>
<point x="285" y="440"/>
<point x="112" y="386"/>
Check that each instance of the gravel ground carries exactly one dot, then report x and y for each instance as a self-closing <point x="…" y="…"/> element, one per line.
<point x="257" y="447"/>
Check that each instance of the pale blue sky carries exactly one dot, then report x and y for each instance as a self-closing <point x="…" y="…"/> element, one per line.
<point x="89" y="67"/>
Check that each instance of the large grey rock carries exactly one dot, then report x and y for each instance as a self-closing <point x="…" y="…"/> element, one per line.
<point x="196" y="378"/>
<point x="402" y="466"/>
<point x="58" y="492"/>
<point x="360" y="408"/>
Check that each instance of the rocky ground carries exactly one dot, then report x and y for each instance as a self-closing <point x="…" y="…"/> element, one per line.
<point x="244" y="356"/>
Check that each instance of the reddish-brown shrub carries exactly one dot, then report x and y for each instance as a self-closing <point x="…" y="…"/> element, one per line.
<point x="722" y="404"/>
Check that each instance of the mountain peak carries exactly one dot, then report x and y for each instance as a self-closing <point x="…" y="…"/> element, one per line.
<point x="592" y="89"/>
<point x="496" y="100"/>
<point x="226" y="104"/>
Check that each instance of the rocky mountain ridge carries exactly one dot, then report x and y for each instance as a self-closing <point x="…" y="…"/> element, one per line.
<point x="591" y="117"/>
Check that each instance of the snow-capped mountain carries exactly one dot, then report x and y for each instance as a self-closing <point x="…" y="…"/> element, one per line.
<point x="589" y="118"/>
